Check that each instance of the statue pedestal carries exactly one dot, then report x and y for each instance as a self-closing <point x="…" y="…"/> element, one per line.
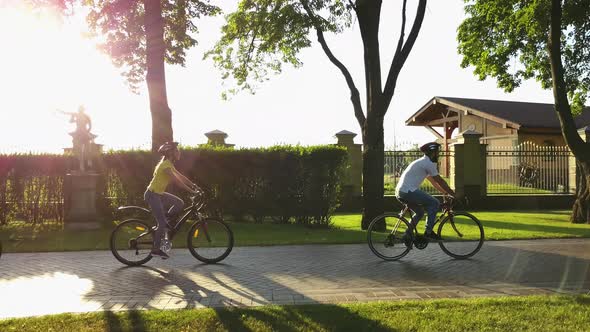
<point x="80" y="201"/>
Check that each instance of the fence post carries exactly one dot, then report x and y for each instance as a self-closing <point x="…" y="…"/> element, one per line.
<point x="585" y="134"/>
<point x="353" y="175"/>
<point x="470" y="166"/>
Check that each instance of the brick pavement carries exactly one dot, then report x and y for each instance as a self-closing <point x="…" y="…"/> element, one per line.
<point x="47" y="283"/>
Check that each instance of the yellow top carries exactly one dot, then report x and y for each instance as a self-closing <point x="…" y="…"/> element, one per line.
<point x="161" y="178"/>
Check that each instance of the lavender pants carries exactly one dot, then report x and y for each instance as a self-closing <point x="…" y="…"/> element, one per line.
<point x="158" y="204"/>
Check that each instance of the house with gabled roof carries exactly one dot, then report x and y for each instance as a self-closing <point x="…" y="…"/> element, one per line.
<point x="505" y="126"/>
<point x="502" y="123"/>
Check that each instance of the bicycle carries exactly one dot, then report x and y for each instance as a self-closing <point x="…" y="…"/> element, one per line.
<point x="210" y="240"/>
<point x="462" y="233"/>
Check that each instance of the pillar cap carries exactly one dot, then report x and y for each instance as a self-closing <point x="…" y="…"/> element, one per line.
<point x="470" y="132"/>
<point x="216" y="132"/>
<point x="345" y="133"/>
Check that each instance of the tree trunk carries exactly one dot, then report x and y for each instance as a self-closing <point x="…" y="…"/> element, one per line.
<point x="581" y="208"/>
<point x="568" y="127"/>
<point x="368" y="14"/>
<point x="156" y="75"/>
<point x="373" y="169"/>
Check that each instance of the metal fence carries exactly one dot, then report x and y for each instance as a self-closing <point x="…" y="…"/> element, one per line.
<point x="529" y="169"/>
<point x="397" y="161"/>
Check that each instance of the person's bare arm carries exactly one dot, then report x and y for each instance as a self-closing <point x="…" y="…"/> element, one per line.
<point x="179" y="181"/>
<point x="441" y="185"/>
<point x="186" y="180"/>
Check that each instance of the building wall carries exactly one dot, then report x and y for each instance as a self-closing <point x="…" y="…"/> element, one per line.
<point x="504" y="141"/>
<point x="472" y="122"/>
<point x="494" y="129"/>
<point x="542" y="139"/>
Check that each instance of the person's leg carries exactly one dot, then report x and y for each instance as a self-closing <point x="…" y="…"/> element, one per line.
<point x="417" y="210"/>
<point x="155" y="203"/>
<point x="430" y="203"/>
<point x="172" y="204"/>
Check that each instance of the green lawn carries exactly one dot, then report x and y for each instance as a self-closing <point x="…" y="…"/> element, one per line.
<point x="502" y="188"/>
<point x="346" y="229"/>
<point x="535" y="313"/>
<point x="492" y="189"/>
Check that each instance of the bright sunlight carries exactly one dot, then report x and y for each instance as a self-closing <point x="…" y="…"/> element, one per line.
<point x="48" y="63"/>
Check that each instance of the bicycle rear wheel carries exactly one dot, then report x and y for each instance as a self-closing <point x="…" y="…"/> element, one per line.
<point x="462" y="235"/>
<point x="131" y="242"/>
<point x="384" y="236"/>
<point x="210" y="240"/>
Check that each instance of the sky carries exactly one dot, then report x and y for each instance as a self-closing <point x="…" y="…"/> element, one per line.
<point x="49" y="64"/>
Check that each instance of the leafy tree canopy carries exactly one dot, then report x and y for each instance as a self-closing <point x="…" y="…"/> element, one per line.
<point x="261" y="35"/>
<point x="507" y="40"/>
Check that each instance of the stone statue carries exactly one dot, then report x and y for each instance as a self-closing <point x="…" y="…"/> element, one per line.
<point x="82" y="138"/>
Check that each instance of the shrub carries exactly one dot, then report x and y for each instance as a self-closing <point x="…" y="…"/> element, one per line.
<point x="285" y="183"/>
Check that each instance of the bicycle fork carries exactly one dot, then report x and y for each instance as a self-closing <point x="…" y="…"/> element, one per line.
<point x="205" y="230"/>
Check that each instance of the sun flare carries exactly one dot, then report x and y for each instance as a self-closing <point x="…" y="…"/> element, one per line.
<point x="48" y="64"/>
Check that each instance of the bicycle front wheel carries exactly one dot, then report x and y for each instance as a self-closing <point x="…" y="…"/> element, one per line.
<point x="384" y="237"/>
<point x="462" y="235"/>
<point x="131" y="242"/>
<point x="210" y="240"/>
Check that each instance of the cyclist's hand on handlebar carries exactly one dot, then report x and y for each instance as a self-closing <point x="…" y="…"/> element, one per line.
<point x="197" y="190"/>
<point x="448" y="197"/>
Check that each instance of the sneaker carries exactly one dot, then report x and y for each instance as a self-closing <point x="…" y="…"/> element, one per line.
<point x="160" y="253"/>
<point x="407" y="240"/>
<point x="432" y="236"/>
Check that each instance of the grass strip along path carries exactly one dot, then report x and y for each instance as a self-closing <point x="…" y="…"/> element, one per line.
<point x="534" y="313"/>
<point x="507" y="225"/>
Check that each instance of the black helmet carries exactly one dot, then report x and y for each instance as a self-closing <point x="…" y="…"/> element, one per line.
<point x="431" y="146"/>
<point x="167" y="147"/>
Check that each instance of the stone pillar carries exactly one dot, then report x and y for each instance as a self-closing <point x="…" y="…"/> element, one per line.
<point x="353" y="175"/>
<point x="80" y="201"/>
<point x="217" y="138"/>
<point x="92" y="155"/>
<point x="470" y="166"/>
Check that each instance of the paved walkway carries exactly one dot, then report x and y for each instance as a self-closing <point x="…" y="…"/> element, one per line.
<point x="47" y="283"/>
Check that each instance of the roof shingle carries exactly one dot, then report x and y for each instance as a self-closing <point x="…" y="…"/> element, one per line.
<point x="536" y="115"/>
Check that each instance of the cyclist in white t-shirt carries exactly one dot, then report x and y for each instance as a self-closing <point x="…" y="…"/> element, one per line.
<point x="408" y="189"/>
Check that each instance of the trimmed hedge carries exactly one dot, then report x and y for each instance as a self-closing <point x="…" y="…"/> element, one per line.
<point x="283" y="183"/>
<point x="31" y="187"/>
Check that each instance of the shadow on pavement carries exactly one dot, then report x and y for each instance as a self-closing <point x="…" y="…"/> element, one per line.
<point x="259" y="275"/>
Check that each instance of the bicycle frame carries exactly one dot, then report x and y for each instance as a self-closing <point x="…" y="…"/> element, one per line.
<point x="447" y="210"/>
<point x="195" y="208"/>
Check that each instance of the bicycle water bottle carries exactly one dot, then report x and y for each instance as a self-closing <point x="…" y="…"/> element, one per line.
<point x="166" y="244"/>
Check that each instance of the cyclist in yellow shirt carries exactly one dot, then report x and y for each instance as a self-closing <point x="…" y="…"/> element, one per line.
<point x="161" y="202"/>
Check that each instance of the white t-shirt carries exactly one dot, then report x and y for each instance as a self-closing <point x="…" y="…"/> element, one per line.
<point x="414" y="174"/>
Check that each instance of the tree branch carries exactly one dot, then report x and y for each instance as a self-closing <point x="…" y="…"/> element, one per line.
<point x="400" y="57"/>
<point x="354" y="92"/>
<point x="400" y="42"/>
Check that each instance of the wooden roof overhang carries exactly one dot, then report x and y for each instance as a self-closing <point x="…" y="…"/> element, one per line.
<point x="439" y="112"/>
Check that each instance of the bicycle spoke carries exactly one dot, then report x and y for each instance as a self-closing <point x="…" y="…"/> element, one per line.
<point x="131" y="243"/>
<point x="462" y="235"/>
<point x="210" y="240"/>
<point x="385" y="237"/>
